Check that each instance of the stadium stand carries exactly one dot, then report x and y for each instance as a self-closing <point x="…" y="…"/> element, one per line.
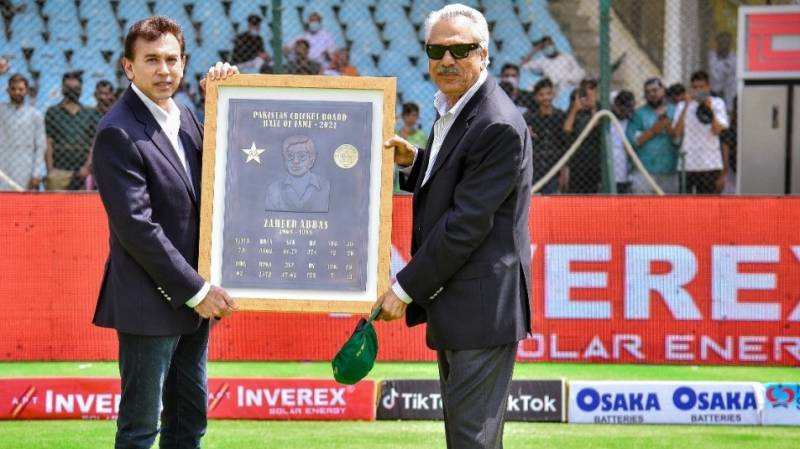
<point x="386" y="38"/>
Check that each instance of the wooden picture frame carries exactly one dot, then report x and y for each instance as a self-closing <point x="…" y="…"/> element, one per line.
<point x="283" y="221"/>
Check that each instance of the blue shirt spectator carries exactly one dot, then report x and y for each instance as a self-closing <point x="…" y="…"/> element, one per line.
<point x="650" y="132"/>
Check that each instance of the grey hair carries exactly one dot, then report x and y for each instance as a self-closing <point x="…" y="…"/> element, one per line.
<point x="479" y="28"/>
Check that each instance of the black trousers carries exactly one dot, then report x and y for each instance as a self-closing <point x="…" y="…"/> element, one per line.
<point x="475" y="385"/>
<point x="704" y="182"/>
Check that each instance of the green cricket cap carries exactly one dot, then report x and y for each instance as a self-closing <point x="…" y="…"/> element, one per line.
<point x="357" y="355"/>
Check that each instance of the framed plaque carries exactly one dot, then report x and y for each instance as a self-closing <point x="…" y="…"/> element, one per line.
<point x="297" y="191"/>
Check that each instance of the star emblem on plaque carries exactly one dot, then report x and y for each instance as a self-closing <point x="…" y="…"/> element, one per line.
<point x="253" y="153"/>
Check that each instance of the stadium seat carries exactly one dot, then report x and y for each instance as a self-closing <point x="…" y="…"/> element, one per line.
<point x="133" y="11"/>
<point x="95" y="9"/>
<point x="217" y="32"/>
<point x="102" y="32"/>
<point x="27" y="28"/>
<point x="49" y="90"/>
<point x="57" y="9"/>
<point x="394" y="63"/>
<point x="241" y="9"/>
<point x="363" y="62"/>
<point x="353" y="14"/>
<point x="386" y="12"/>
<point x="402" y="37"/>
<point x="421" y="8"/>
<point x="65" y="31"/>
<point x="366" y="38"/>
<point x="201" y="58"/>
<point x="498" y="10"/>
<point x="48" y="58"/>
<point x="292" y="26"/>
<point x="207" y="10"/>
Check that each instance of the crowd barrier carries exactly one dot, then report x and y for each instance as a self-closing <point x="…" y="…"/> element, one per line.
<point x="698" y="280"/>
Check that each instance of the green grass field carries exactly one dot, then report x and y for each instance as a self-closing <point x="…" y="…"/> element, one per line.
<point x="417" y="435"/>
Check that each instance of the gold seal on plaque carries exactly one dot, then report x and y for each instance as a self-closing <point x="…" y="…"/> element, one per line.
<point x="346" y="156"/>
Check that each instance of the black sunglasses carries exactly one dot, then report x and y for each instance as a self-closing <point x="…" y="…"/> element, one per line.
<point x="458" y="51"/>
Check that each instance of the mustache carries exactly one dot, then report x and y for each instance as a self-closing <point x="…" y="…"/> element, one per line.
<point x="446" y="70"/>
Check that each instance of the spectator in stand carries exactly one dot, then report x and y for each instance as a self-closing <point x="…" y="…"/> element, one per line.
<point x="562" y="69"/>
<point x="700" y="120"/>
<point x="411" y="132"/>
<point x="321" y="44"/>
<point x="622" y="108"/>
<point x="675" y="93"/>
<point x="301" y="64"/>
<point x="522" y="98"/>
<point x="248" y="47"/>
<point x="583" y="169"/>
<point x="411" y="129"/>
<point x="4" y="65"/>
<point x="70" y="128"/>
<point x="722" y="67"/>
<point x="8" y="11"/>
<point x="22" y="140"/>
<point x="105" y="98"/>
<point x="546" y="123"/>
<point x="340" y="64"/>
<point x="651" y="133"/>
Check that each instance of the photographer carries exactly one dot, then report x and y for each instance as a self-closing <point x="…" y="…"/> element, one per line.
<point x="583" y="169"/>
<point x="701" y="118"/>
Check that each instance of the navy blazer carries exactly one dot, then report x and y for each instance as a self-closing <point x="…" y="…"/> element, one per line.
<point x="470" y="271"/>
<point x="153" y="218"/>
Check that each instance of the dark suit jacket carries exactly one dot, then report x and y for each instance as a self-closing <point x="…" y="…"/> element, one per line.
<point x="153" y="217"/>
<point x="469" y="275"/>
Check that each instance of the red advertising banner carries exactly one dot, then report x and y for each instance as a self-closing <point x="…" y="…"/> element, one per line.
<point x="697" y="280"/>
<point x="229" y="398"/>
<point x="665" y="280"/>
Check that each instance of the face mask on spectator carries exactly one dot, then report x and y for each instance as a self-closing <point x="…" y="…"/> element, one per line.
<point x="314" y="26"/>
<point x="511" y="80"/>
<point x="71" y="94"/>
<point x="550" y="51"/>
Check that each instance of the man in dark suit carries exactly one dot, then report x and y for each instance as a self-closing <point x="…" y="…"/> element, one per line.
<point x="469" y="275"/>
<point x="146" y="159"/>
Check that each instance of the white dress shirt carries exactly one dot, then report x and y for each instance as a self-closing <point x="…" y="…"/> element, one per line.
<point x="170" y="122"/>
<point x="440" y="130"/>
<point x="22" y="143"/>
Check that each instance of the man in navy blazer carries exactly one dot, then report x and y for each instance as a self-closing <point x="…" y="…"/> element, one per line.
<point x="146" y="160"/>
<point x="469" y="274"/>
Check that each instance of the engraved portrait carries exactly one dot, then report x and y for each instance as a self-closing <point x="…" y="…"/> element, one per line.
<point x="301" y="190"/>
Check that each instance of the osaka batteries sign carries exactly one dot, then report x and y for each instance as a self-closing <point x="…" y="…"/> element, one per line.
<point x="717" y="403"/>
<point x="273" y="399"/>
